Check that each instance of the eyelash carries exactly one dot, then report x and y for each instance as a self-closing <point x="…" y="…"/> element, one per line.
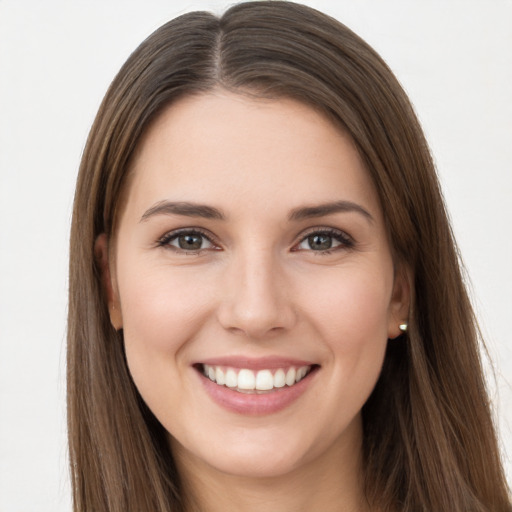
<point x="346" y="242"/>
<point x="169" y="237"/>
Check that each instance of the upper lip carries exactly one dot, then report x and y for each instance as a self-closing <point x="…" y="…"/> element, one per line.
<point x="256" y="363"/>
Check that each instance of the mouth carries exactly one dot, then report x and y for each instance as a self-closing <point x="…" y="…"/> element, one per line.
<point x="261" y="381"/>
<point x="256" y="386"/>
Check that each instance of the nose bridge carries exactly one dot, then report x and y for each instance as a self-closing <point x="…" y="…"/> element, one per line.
<point x="256" y="299"/>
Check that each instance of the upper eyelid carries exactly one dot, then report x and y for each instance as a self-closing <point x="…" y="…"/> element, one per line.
<point x="324" y="229"/>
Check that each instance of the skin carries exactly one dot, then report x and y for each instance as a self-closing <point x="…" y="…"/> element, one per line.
<point x="257" y="289"/>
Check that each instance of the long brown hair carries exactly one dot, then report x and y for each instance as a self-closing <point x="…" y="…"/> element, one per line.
<point x="429" y="440"/>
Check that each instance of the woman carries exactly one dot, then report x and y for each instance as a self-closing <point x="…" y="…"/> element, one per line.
<point x="266" y="307"/>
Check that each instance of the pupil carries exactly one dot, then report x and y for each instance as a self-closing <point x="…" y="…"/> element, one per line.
<point x="320" y="242"/>
<point x="190" y="242"/>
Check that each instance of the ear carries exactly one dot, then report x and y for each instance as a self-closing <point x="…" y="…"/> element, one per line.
<point x="400" y="301"/>
<point x="101" y="254"/>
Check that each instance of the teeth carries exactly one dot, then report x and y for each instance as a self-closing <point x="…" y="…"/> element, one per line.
<point x="219" y="376"/>
<point x="231" y="378"/>
<point x="301" y="372"/>
<point x="290" y="377"/>
<point x="279" y="379"/>
<point x="264" y="380"/>
<point x="248" y="380"/>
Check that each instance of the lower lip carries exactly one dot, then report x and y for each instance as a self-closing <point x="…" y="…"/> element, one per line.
<point x="254" y="404"/>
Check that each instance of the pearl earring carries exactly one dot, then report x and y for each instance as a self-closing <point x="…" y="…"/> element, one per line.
<point x="403" y="327"/>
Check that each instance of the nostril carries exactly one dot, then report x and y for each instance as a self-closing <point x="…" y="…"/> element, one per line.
<point x="256" y="323"/>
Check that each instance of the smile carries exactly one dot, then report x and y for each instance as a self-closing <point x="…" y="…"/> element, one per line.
<point x="245" y="380"/>
<point x="256" y="386"/>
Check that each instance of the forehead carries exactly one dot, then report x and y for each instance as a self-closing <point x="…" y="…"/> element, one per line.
<point x="211" y="147"/>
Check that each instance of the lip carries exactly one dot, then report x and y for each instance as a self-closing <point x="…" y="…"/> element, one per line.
<point x="253" y="404"/>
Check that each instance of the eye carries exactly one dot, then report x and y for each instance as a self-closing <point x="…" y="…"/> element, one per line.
<point x="187" y="241"/>
<point x="324" y="241"/>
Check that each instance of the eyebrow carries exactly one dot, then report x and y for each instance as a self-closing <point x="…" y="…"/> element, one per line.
<point x="189" y="209"/>
<point x="183" y="208"/>
<point x="322" y="210"/>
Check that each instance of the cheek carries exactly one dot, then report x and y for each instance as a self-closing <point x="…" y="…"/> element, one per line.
<point x="352" y="309"/>
<point x="163" y="309"/>
<point x="351" y="320"/>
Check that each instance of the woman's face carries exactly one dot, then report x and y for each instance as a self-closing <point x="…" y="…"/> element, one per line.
<point x="251" y="253"/>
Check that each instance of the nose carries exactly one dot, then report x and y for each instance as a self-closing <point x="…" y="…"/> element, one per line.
<point x="256" y="298"/>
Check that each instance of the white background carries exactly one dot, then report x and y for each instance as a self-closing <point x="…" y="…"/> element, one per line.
<point x="454" y="58"/>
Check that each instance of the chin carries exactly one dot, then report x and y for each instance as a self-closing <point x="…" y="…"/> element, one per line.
<point x="257" y="464"/>
<point x="249" y="453"/>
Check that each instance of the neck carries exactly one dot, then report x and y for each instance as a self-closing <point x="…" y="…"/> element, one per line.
<point x="331" y="483"/>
